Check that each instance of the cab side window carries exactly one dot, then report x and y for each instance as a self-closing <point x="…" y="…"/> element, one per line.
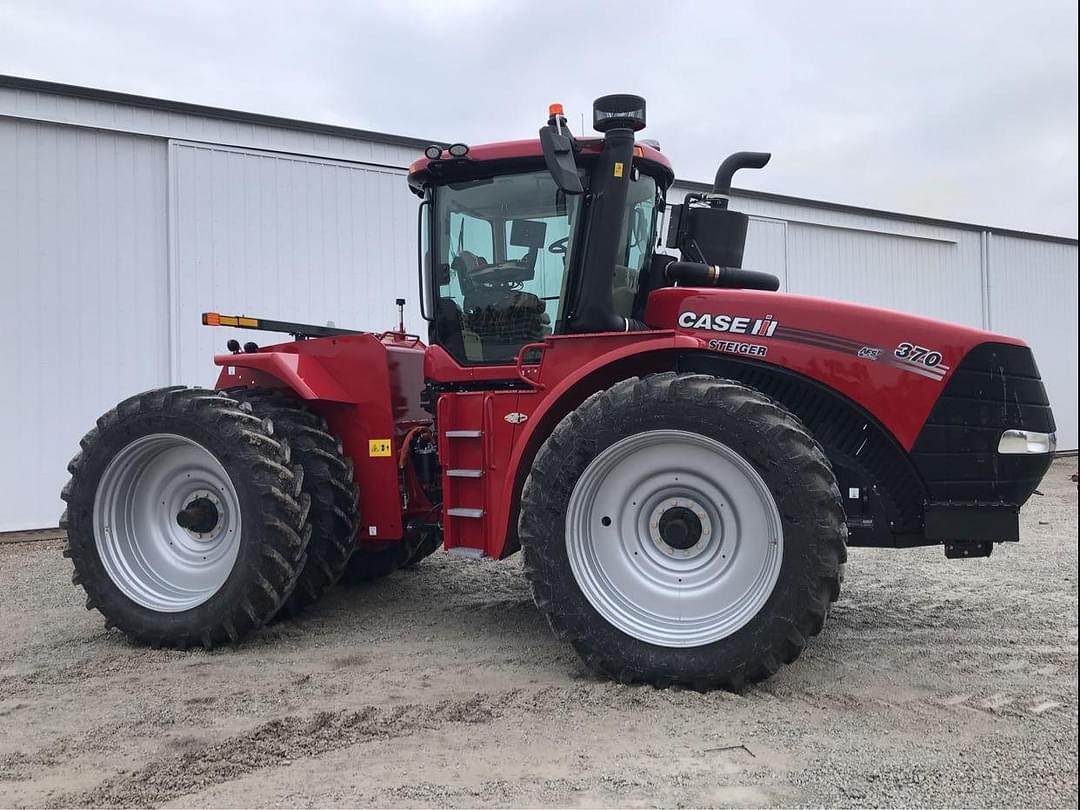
<point x="637" y="240"/>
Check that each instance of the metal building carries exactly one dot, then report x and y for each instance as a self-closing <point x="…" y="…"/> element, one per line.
<point x="123" y="217"/>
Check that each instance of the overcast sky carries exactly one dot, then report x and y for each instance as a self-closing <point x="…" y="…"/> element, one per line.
<point x="960" y="110"/>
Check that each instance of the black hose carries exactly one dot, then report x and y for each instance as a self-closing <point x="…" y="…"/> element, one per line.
<point x="696" y="274"/>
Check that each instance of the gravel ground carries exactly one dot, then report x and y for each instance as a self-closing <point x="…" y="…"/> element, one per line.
<point x="936" y="682"/>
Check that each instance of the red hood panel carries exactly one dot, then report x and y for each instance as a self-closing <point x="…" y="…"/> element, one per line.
<point x="892" y="364"/>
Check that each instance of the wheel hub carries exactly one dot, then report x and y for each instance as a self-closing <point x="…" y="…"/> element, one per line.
<point x="679" y="527"/>
<point x="200" y="515"/>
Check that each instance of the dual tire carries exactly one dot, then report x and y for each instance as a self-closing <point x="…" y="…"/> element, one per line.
<point x="194" y="517"/>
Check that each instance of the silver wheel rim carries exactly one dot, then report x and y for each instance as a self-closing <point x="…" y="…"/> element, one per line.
<point x="696" y="591"/>
<point x="153" y="559"/>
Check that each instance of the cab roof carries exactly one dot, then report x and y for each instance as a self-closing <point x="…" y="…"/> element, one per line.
<point x="505" y="152"/>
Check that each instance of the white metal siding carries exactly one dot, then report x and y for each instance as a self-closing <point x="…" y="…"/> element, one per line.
<point x="1033" y="294"/>
<point x="907" y="273"/>
<point x="288" y="238"/>
<point x="82" y="297"/>
<point x="766" y="248"/>
<point x="44" y="106"/>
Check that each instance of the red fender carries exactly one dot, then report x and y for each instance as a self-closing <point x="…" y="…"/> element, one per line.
<point x="560" y="372"/>
<point x="303" y="374"/>
<point x="367" y="387"/>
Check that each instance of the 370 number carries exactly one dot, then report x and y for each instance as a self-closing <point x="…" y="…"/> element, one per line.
<point x="917" y="354"/>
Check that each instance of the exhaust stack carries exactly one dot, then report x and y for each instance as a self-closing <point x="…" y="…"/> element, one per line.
<point x="703" y="228"/>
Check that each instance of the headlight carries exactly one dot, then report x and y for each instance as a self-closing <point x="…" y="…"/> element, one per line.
<point x="1014" y="442"/>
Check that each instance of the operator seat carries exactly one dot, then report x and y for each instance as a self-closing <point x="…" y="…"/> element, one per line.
<point x="502" y="316"/>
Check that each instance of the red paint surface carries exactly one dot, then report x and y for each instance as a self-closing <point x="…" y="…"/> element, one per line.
<point x="899" y="399"/>
<point x="366" y="387"/>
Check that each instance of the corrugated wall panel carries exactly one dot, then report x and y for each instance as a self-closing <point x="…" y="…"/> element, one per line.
<point x="911" y="274"/>
<point x="766" y="248"/>
<point x="43" y="106"/>
<point x="1033" y="294"/>
<point x="83" y="302"/>
<point x="285" y="237"/>
<point x="85" y="223"/>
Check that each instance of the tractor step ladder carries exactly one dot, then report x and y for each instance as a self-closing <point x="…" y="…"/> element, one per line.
<point x="464" y="460"/>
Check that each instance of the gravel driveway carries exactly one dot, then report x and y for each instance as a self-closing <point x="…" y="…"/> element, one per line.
<point x="935" y="682"/>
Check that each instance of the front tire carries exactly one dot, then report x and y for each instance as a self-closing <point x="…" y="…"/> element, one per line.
<point x="186" y="522"/>
<point x="683" y="529"/>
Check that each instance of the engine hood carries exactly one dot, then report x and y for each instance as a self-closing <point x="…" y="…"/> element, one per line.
<point x="893" y="364"/>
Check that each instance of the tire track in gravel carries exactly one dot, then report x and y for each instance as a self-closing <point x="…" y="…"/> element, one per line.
<point x="280" y="742"/>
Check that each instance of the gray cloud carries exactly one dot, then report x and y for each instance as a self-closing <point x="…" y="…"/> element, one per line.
<point x="961" y="110"/>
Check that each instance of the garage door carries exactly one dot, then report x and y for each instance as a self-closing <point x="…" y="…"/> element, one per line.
<point x="284" y="237"/>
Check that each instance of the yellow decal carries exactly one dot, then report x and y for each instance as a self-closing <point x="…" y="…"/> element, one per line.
<point x="378" y="448"/>
<point x="618" y="168"/>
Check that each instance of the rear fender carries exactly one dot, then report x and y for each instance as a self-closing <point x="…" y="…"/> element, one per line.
<point x="305" y="376"/>
<point x="368" y="390"/>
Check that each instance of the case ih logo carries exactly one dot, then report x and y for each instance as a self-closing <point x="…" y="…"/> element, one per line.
<point x="762" y="327"/>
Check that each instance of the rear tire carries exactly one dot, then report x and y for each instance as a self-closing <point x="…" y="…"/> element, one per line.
<point x="222" y="570"/>
<point x="328" y="481"/>
<point x="683" y="529"/>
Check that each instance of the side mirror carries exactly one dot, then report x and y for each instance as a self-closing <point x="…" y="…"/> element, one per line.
<point x="559" y="157"/>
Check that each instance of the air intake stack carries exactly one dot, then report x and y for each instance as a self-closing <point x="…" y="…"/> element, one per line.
<point x="618" y="117"/>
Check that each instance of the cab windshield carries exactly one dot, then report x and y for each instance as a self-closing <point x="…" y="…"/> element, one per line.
<point x="503" y="250"/>
<point x="503" y="246"/>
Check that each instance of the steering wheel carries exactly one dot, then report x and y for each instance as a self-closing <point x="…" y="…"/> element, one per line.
<point x="558" y="247"/>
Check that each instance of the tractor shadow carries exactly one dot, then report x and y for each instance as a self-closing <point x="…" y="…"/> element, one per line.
<point x="458" y="598"/>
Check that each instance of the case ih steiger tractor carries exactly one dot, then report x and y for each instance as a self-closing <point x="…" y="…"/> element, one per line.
<point x="682" y="453"/>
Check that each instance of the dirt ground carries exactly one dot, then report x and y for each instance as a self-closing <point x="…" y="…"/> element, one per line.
<point x="935" y="682"/>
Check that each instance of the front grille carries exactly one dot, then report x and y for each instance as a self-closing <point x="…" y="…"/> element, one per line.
<point x="995" y="387"/>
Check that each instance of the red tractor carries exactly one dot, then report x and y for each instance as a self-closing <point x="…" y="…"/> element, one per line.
<point x="682" y="453"/>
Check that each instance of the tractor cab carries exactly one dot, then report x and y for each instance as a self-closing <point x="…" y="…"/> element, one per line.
<point x="558" y="236"/>
<point x="527" y="239"/>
